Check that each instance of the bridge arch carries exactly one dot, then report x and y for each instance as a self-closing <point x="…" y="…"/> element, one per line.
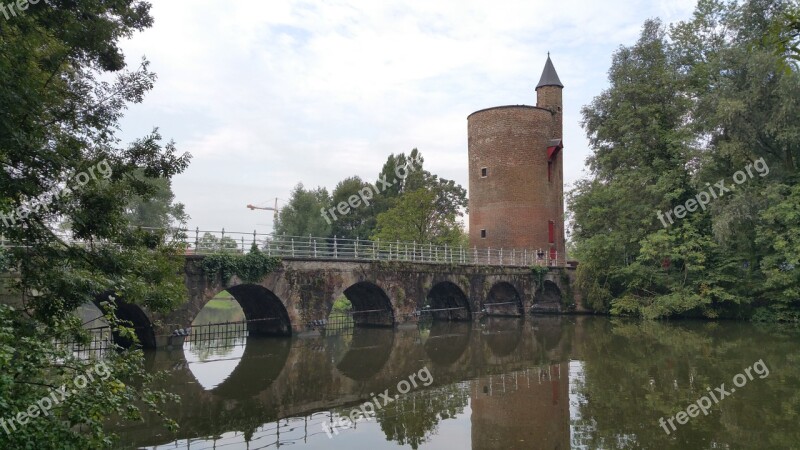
<point x="135" y="317"/>
<point x="141" y="324"/>
<point x="548" y="296"/>
<point x="264" y="311"/>
<point x="447" y="301"/>
<point x="503" y="300"/>
<point x="371" y="305"/>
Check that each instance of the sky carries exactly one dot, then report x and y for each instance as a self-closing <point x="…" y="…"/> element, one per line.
<point x="268" y="94"/>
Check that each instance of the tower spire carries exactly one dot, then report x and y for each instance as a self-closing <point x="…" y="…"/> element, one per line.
<point x="549" y="75"/>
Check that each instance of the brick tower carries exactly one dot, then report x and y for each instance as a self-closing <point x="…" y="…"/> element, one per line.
<point x="516" y="187"/>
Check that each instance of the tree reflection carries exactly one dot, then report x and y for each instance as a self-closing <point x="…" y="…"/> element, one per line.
<point x="637" y="372"/>
<point x="412" y="418"/>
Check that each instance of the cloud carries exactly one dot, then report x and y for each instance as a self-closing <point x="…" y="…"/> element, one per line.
<point x="268" y="94"/>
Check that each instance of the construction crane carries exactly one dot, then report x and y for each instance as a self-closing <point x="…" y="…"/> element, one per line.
<point x="267" y="208"/>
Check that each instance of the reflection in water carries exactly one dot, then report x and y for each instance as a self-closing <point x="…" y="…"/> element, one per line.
<point x="212" y="364"/>
<point x="213" y="358"/>
<point x="541" y="383"/>
<point x="521" y="409"/>
<point x="367" y="352"/>
<point x="502" y="334"/>
<point x="446" y="342"/>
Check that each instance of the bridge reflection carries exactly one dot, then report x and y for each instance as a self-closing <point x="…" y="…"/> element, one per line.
<point x="314" y="379"/>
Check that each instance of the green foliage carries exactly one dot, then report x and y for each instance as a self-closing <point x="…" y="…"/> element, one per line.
<point x="5" y="260"/>
<point x="302" y="217"/>
<point x="784" y="35"/>
<point x="155" y="207"/>
<point x="539" y="272"/>
<point x="342" y="304"/>
<point x="250" y="268"/>
<point x="686" y="108"/>
<point x="401" y="182"/>
<point x="360" y="221"/>
<point x="64" y="88"/>
<point x="425" y="215"/>
<point x="209" y="242"/>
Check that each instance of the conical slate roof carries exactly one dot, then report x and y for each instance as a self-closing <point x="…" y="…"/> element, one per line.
<point x="549" y="75"/>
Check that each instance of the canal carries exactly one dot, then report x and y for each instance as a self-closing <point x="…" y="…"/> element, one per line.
<point x="547" y="382"/>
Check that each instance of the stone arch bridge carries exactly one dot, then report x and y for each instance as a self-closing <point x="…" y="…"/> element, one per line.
<point x="301" y="293"/>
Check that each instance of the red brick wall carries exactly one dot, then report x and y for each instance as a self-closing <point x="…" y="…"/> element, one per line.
<point x="515" y="201"/>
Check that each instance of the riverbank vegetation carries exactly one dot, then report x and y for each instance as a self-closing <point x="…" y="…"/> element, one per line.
<point x="70" y="234"/>
<point x="692" y="105"/>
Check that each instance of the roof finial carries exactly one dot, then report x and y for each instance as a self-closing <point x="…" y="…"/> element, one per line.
<point x="548" y="54"/>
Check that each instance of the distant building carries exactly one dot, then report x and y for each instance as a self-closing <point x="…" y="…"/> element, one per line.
<point x="516" y="182"/>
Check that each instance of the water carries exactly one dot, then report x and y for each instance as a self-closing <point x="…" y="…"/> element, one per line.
<point x="538" y="383"/>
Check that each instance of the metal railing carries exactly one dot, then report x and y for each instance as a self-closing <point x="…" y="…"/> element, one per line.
<point x="101" y="340"/>
<point x="200" y="242"/>
<point x="310" y="247"/>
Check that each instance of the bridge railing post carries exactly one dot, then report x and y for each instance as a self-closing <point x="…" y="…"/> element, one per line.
<point x="501" y="256"/>
<point x="374" y="246"/>
<point x="335" y="248"/>
<point x="355" y="249"/>
<point x="292" y="246"/>
<point x="445" y="252"/>
<point x="414" y="251"/>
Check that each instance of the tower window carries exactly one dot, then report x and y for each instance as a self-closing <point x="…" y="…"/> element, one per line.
<point x="484" y="172"/>
<point x="483" y="234"/>
<point x="551" y="231"/>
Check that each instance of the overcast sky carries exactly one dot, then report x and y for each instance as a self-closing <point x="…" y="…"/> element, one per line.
<point x="266" y="94"/>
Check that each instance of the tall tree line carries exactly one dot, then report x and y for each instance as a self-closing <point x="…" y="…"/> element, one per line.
<point x="405" y="203"/>
<point x="708" y="100"/>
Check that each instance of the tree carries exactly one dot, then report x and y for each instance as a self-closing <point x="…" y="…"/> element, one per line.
<point x="156" y="209"/>
<point x="302" y="216"/>
<point x="360" y="221"/>
<point x="419" y="217"/>
<point x="676" y="119"/>
<point x="640" y="150"/>
<point x="58" y="116"/>
<point x="210" y="243"/>
<point x="784" y="34"/>
<point x="399" y="174"/>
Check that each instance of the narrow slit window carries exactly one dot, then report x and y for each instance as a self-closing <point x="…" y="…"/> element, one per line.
<point x="484" y="172"/>
<point x="483" y="233"/>
<point x="551" y="231"/>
